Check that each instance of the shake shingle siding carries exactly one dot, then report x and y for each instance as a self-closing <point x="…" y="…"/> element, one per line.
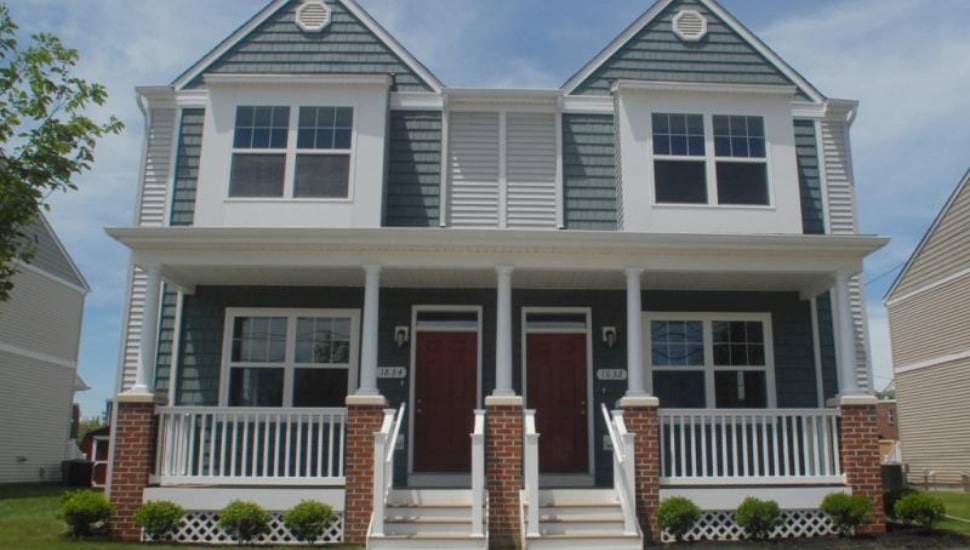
<point x="589" y="172"/>
<point x="414" y="170"/>
<point x="809" y="178"/>
<point x="48" y="256"/>
<point x="187" y="167"/>
<point x="655" y="53"/>
<point x="346" y="46"/>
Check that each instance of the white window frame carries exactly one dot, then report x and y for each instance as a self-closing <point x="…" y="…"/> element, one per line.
<point x="709" y="369"/>
<point x="291" y="151"/>
<point x="289" y="364"/>
<point x="710" y="159"/>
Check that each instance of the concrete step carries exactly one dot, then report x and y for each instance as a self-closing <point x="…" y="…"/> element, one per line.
<point x="457" y="511"/>
<point x="427" y="541"/>
<point x="573" y="497"/>
<point x="430" y="497"/>
<point x="589" y="541"/>
<point x="604" y="512"/>
<point x="427" y="525"/>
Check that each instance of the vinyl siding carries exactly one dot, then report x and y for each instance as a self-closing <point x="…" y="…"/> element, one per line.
<point x="134" y="321"/>
<point x="414" y="170"/>
<point x="933" y="324"/>
<point x="934" y="420"/>
<point x="187" y="167"/>
<point x="49" y="257"/>
<point x="42" y="316"/>
<point x="531" y="171"/>
<point x="946" y="251"/>
<point x="590" y="200"/>
<point x="809" y="178"/>
<point x="346" y="46"/>
<point x="656" y="54"/>
<point x="35" y="405"/>
<point x="474" y="170"/>
<point x="166" y="340"/>
<point x="158" y="162"/>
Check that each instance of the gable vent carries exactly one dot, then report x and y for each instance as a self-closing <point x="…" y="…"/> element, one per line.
<point x="313" y="16"/>
<point x="690" y="25"/>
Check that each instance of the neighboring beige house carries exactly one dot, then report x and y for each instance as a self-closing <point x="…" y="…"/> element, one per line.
<point x="929" y="319"/>
<point x="40" y="329"/>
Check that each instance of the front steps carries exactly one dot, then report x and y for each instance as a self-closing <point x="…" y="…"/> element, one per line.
<point x="428" y="518"/>
<point x="574" y="519"/>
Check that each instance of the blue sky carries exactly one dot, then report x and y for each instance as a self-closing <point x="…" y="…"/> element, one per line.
<point x="907" y="61"/>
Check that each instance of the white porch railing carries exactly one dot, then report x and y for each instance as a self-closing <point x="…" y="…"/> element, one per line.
<point x="479" y="496"/>
<point x="532" y="472"/>
<point x="624" y="474"/>
<point x="750" y="446"/>
<point x="385" y="442"/>
<point x="237" y="446"/>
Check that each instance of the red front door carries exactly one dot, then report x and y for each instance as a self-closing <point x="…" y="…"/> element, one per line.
<point x="444" y="400"/>
<point x="556" y="379"/>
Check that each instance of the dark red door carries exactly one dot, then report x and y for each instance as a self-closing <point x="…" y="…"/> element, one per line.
<point x="556" y="379"/>
<point x="444" y="400"/>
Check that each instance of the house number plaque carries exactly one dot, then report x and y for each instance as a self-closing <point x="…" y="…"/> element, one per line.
<point x="610" y="374"/>
<point x="392" y="373"/>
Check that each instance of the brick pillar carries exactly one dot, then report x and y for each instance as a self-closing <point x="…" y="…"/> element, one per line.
<point x="861" y="460"/>
<point x="365" y="414"/>
<point x="640" y="416"/>
<point x="134" y="452"/>
<point x="503" y="470"/>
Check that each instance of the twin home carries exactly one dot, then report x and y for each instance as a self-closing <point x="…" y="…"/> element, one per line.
<point x="472" y="317"/>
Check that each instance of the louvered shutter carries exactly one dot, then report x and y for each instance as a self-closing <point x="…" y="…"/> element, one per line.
<point x="473" y="178"/>
<point x="531" y="170"/>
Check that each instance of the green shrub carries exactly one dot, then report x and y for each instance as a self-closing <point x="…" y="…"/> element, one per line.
<point x="677" y="515"/>
<point x="308" y="520"/>
<point x="847" y="511"/>
<point x="245" y="520"/>
<point x="920" y="508"/>
<point x="890" y="498"/>
<point x="82" y="510"/>
<point x="758" y="517"/>
<point x="159" y="518"/>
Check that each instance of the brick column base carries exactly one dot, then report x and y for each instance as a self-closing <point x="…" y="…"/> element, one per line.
<point x="503" y="470"/>
<point x="365" y="414"/>
<point x="134" y="451"/>
<point x="861" y="460"/>
<point x="640" y="416"/>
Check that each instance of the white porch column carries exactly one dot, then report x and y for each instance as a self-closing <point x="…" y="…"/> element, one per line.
<point x="145" y="372"/>
<point x="368" y="346"/>
<point x="503" y="334"/>
<point x="634" y="337"/>
<point x="848" y="381"/>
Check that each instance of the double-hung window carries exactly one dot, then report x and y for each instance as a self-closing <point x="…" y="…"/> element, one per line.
<point x="289" y="358"/>
<point x="711" y="360"/>
<point x="693" y="151"/>
<point x="279" y="155"/>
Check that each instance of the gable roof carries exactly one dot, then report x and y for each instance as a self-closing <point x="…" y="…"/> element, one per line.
<point x="962" y="188"/>
<point x="50" y="255"/>
<point x="610" y="62"/>
<point x="382" y="52"/>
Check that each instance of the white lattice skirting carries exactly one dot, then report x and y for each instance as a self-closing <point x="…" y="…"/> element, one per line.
<point x="203" y="528"/>
<point x="795" y="524"/>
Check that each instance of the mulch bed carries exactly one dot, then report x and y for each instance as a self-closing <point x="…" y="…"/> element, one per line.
<point x="898" y="537"/>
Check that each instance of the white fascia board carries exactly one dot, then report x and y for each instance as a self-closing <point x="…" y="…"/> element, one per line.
<point x="188" y="99"/>
<point x="416" y="101"/>
<point x="231" y="79"/>
<point x="597" y="105"/>
<point x="156" y="96"/>
<point x="841" y="109"/>
<point x="475" y="96"/>
<point x="806" y="109"/>
<point x="702" y="87"/>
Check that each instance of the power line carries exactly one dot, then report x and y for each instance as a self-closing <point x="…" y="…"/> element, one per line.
<point x="885" y="274"/>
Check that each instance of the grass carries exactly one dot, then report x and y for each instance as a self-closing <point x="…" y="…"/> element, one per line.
<point x="28" y="521"/>
<point x="957" y="505"/>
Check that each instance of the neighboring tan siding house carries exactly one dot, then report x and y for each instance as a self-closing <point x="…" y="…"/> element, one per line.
<point x="929" y="321"/>
<point x="40" y="329"/>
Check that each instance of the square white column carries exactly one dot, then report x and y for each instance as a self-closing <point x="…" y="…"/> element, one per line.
<point x="845" y="334"/>
<point x="148" y="349"/>
<point x="503" y="333"/>
<point x="368" y="345"/>
<point x="634" y="336"/>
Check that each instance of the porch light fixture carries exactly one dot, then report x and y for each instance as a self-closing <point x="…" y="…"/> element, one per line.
<point x="402" y="335"/>
<point x="609" y="336"/>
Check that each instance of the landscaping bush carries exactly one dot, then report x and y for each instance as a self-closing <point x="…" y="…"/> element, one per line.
<point x="308" y="520"/>
<point x="245" y="520"/>
<point x="677" y="515"/>
<point x="758" y="517"/>
<point x="890" y="498"/>
<point x="82" y="510"/>
<point x="920" y="508"/>
<point x="847" y="511"/>
<point x="159" y="518"/>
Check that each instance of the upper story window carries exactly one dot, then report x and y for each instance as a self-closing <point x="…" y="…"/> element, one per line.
<point x="265" y="163"/>
<point x="692" y="150"/>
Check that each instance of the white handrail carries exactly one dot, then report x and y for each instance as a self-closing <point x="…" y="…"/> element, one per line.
<point x="478" y="475"/>
<point x="532" y="472"/>
<point x="384" y="443"/>
<point x="624" y="473"/>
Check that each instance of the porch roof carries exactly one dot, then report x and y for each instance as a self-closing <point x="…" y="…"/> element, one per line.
<point x="190" y="256"/>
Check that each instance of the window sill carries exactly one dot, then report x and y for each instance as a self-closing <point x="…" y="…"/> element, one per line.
<point x="737" y="207"/>
<point x="273" y="200"/>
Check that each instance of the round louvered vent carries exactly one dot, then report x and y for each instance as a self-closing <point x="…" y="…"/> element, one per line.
<point x="690" y="25"/>
<point x="313" y="16"/>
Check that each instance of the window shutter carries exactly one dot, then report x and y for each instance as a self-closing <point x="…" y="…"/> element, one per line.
<point x="531" y="171"/>
<point x="473" y="150"/>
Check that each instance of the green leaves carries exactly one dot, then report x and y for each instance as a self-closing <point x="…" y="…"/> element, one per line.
<point x="46" y="137"/>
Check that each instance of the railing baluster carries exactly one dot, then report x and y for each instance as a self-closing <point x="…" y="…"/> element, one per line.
<point x="722" y="420"/>
<point x="683" y="450"/>
<point x="705" y="471"/>
<point x="299" y="446"/>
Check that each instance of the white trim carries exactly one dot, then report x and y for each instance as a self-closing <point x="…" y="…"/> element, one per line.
<point x="709" y="369"/>
<point x="233" y="79"/>
<point x="445" y="174"/>
<point x="817" y="351"/>
<point x="289" y="363"/>
<point x="581" y="104"/>
<point x="702" y="87"/>
<point x="173" y="159"/>
<point x="935" y="361"/>
<point x="416" y="101"/>
<point x="680" y="32"/>
<point x="570" y="86"/>
<point x="38" y="356"/>
<point x="932" y="286"/>
<point x="416" y="328"/>
<point x="588" y="331"/>
<point x="560" y="174"/>
<point x="192" y="99"/>
<point x="247" y="28"/>
<point x="823" y="177"/>
<point x="24" y="266"/>
<point x="503" y="166"/>
<point x="173" y="372"/>
<point x="319" y="4"/>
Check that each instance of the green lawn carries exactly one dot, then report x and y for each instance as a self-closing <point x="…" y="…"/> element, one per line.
<point x="957" y="505"/>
